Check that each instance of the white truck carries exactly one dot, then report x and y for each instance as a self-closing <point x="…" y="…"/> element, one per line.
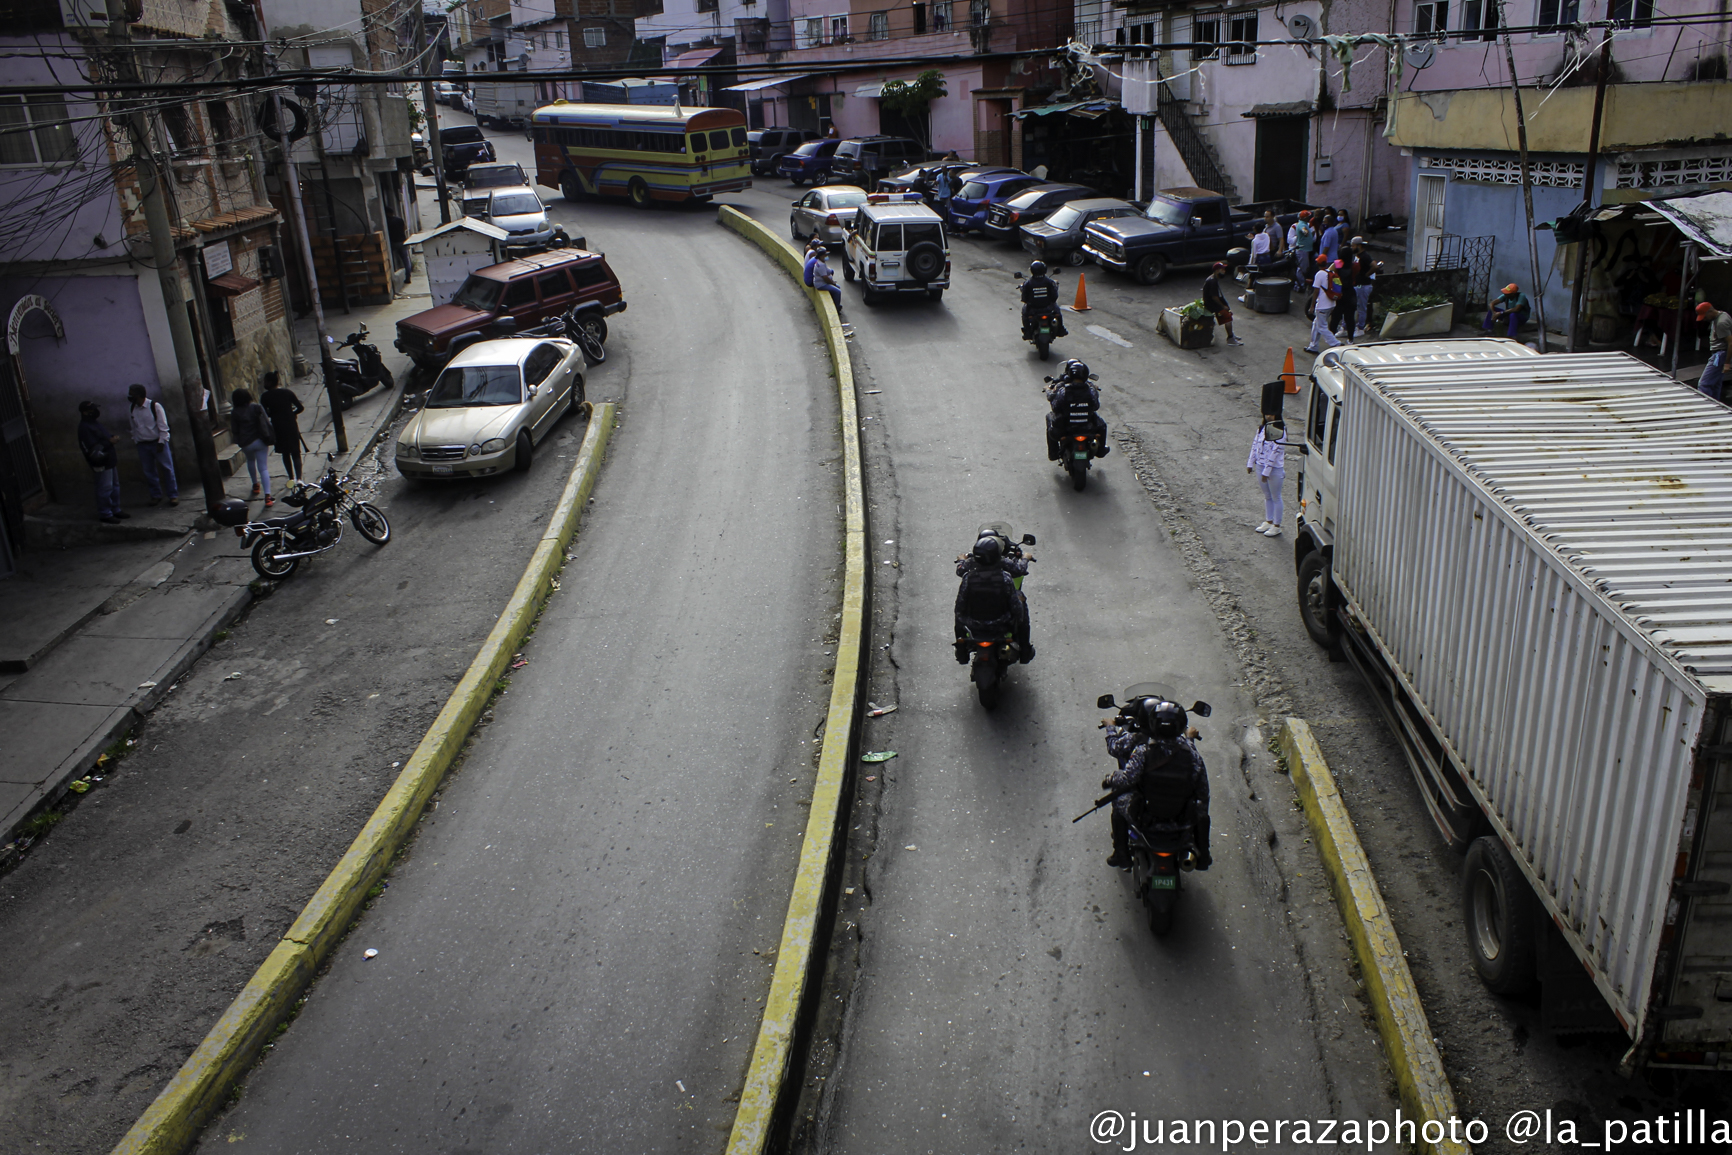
<point x="1529" y="559"/>
<point x="502" y="103"/>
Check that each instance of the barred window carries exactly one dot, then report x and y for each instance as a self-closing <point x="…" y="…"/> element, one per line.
<point x="1206" y="37"/>
<point x="33" y="130"/>
<point x="595" y="37"/>
<point x="878" y="26"/>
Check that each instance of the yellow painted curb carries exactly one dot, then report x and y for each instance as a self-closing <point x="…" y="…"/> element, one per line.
<point x="171" y="1123"/>
<point x="799" y="951"/>
<point x="1413" y="1057"/>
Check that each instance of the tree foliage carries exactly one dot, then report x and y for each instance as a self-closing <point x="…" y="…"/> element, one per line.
<point x="910" y="97"/>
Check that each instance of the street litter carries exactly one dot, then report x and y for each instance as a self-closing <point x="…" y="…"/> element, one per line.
<point x="878" y="756"/>
<point x="871" y="777"/>
<point x="870" y="392"/>
<point x="232" y="676"/>
<point x="78" y="786"/>
<point x="911" y="846"/>
<point x="330" y="621"/>
<point x="146" y="685"/>
<point x="680" y="1085"/>
<point x="519" y="661"/>
<point x="370" y="952"/>
<point x="874" y="710"/>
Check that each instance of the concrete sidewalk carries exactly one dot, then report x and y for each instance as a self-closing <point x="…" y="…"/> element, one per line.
<point x="96" y="633"/>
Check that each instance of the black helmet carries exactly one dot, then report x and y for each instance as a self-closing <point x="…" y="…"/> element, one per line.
<point x="1038" y="269"/>
<point x="1074" y="370"/>
<point x="1164" y="719"/>
<point x="988" y="551"/>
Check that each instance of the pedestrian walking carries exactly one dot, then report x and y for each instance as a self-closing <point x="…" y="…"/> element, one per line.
<point x="1215" y="301"/>
<point x="1719" y="335"/>
<point x="250" y="426"/>
<point x="1268" y="461"/>
<point x="1328" y="291"/>
<point x="283" y="407"/>
<point x="1512" y="306"/>
<point x="97" y="445"/>
<point x="1302" y="242"/>
<point x="148" y="424"/>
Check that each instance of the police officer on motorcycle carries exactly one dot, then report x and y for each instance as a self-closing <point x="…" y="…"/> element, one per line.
<point x="1076" y="403"/>
<point x="988" y="602"/>
<point x="1040" y="295"/>
<point x="1161" y="784"/>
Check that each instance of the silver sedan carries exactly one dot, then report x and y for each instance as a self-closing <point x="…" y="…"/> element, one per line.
<point x="491" y="406"/>
<point x="822" y="211"/>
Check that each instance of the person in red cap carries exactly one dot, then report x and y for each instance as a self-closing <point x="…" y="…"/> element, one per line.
<point x="1512" y="306"/>
<point x="1215" y="301"/>
<point x="1719" y="335"/>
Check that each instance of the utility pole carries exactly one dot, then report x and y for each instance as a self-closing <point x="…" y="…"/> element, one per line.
<point x="1588" y="189"/>
<point x="1527" y="180"/>
<point x="434" y="152"/>
<point x="163" y="256"/>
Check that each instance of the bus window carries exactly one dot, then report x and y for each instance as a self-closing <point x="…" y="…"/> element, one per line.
<point x="698" y="142"/>
<point x="719" y="140"/>
<point x="739" y="137"/>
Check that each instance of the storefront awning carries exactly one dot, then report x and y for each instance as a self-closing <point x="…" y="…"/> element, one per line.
<point x="770" y="82"/>
<point x="694" y="58"/>
<point x="232" y="284"/>
<point x="1089" y="109"/>
<point x="1705" y="219"/>
<point x="870" y="91"/>
<point x="1291" y="108"/>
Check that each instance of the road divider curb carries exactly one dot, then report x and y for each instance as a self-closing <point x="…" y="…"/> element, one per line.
<point x="1407" y="1039"/>
<point x="799" y="960"/>
<point x="172" y="1123"/>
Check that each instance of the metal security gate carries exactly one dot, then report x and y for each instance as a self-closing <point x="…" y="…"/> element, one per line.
<point x="1471" y="254"/>
<point x="20" y="477"/>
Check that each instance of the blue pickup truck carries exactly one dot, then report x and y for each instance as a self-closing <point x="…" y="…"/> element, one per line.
<point x="1180" y="226"/>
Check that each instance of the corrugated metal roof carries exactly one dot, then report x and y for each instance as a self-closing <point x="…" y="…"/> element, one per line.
<point x="1626" y="473"/>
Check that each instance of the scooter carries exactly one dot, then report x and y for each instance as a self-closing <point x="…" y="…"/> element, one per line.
<point x="992" y="657"/>
<point x="355" y="378"/>
<point x="1157" y="862"/>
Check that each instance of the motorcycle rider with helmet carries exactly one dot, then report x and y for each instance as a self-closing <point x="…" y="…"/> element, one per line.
<point x="1161" y="784"/>
<point x="988" y="603"/>
<point x="1040" y="295"/>
<point x="1075" y="401"/>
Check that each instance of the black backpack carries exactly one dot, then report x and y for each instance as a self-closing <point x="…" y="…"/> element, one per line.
<point x="985" y="598"/>
<point x="1164" y="787"/>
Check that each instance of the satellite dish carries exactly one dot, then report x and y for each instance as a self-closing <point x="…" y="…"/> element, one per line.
<point x="1302" y="27"/>
<point x="1420" y="53"/>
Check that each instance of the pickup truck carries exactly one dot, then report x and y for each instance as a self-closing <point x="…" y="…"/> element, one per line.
<point x="1180" y="226"/>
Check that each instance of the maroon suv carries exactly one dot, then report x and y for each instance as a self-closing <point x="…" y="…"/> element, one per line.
<point x="530" y="290"/>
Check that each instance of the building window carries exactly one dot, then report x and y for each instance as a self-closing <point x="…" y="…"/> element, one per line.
<point x="1478" y="20"/>
<point x="1633" y="13"/>
<point x="559" y="40"/>
<point x="878" y="26"/>
<point x="182" y="137"/>
<point x="594" y="37"/>
<point x="1206" y="36"/>
<point x="919" y="11"/>
<point x="979" y="12"/>
<point x="1143" y="33"/>
<point x="222" y="322"/>
<point x="50" y="142"/>
<point x="941" y="15"/>
<point x="1242" y="39"/>
<point x="1555" y="14"/>
<point x="838" y="30"/>
<point x="1431" y="17"/>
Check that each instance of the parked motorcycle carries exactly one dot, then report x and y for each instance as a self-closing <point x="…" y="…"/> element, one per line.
<point x="992" y="657"/>
<point x="354" y="378"/>
<point x="1080" y="440"/>
<point x="279" y="543"/>
<point x="1157" y="862"/>
<point x="588" y="329"/>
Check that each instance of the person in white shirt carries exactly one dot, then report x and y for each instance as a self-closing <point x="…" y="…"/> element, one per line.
<point x="148" y="423"/>
<point x="1268" y="460"/>
<point x="1327" y="294"/>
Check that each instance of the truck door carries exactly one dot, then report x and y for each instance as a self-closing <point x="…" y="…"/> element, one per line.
<point x="1207" y="241"/>
<point x="1322" y="436"/>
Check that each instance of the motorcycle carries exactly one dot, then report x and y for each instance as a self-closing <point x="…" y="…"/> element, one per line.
<point x="354" y="378"/>
<point x="1080" y="441"/>
<point x="1043" y="326"/>
<point x="588" y="329"/>
<point x="279" y="543"/>
<point x="991" y="658"/>
<point x="1157" y="862"/>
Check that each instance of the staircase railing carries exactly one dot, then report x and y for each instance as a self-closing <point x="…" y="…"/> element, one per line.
<point x="1192" y="145"/>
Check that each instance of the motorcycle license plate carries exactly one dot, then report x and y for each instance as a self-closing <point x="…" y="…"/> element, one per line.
<point x="441" y="469"/>
<point x="1045" y="332"/>
<point x="1164" y="882"/>
<point x="1082" y="455"/>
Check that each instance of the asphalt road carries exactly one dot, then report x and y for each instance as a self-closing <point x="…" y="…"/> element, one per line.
<point x="574" y="955"/>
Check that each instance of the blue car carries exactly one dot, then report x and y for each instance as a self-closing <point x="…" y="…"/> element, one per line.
<point x="968" y="208"/>
<point x="809" y="162"/>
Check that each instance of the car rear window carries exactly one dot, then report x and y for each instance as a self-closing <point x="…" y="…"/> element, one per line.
<point x="1064" y="217"/>
<point x="462" y="134"/>
<point x="478" y="293"/>
<point x="847" y="198"/>
<point x="973" y="190"/>
<point x="889" y="239"/>
<point x="810" y="148"/>
<point x="917" y="233"/>
<point x="1026" y="200"/>
<point x="459" y="388"/>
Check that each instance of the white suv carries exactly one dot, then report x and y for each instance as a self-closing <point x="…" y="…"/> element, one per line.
<point x="896" y="244"/>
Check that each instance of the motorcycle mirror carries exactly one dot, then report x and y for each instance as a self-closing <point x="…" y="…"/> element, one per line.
<point x="1105" y="702"/>
<point x="1094" y="376"/>
<point x="363" y="328"/>
<point x="1201" y="709"/>
<point x="1028" y="539"/>
<point x="1019" y="274"/>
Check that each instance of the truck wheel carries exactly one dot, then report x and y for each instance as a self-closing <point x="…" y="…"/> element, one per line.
<point x="1152" y="269"/>
<point x="1316" y="602"/>
<point x="1498" y="911"/>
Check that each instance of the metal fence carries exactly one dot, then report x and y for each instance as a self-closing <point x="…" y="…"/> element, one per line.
<point x="1474" y="254"/>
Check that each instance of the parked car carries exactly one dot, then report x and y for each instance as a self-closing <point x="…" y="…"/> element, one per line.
<point x="864" y="159"/>
<point x="822" y="212"/>
<point x="466" y="102"/>
<point x="1180" y="226"/>
<point x="462" y="145"/>
<point x="767" y="146"/>
<point x="522" y="293"/>
<point x="969" y="206"/>
<point x="1034" y="204"/>
<point x="491" y="406"/>
<point x="809" y="162"/>
<point x="923" y="178"/>
<point x="444" y="92"/>
<point x="1058" y="239"/>
<point x="895" y="245"/>
<point x="500" y="174"/>
<point x="524" y="218"/>
<point x="419" y="154"/>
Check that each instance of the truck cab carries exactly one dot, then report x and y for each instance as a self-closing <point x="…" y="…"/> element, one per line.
<point x="1317" y="459"/>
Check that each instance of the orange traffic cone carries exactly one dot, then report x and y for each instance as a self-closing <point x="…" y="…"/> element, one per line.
<point x="1289" y="378"/>
<point x="1082" y="295"/>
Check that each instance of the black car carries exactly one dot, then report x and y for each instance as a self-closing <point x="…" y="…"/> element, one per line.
<point x="1004" y="220"/>
<point x="864" y="159"/>
<point x="461" y="146"/>
<point x="767" y="146"/>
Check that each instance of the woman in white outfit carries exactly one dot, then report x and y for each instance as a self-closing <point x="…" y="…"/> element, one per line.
<point x="1268" y="460"/>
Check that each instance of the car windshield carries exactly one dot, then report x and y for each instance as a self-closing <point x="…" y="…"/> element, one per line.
<point x="478" y="293"/>
<point x="972" y="191"/>
<point x="474" y="206"/>
<point x="847" y="198"/>
<point x="462" y="134"/>
<point x="1064" y="217"/>
<point x="1167" y="212"/>
<point x="461" y="387"/>
<point x="810" y="148"/>
<point x="516" y="204"/>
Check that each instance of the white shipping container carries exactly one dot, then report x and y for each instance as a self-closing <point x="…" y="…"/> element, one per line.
<point x="1540" y="551"/>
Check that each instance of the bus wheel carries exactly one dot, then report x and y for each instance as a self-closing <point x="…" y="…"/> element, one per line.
<point x="570" y="188"/>
<point x="638" y="191"/>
